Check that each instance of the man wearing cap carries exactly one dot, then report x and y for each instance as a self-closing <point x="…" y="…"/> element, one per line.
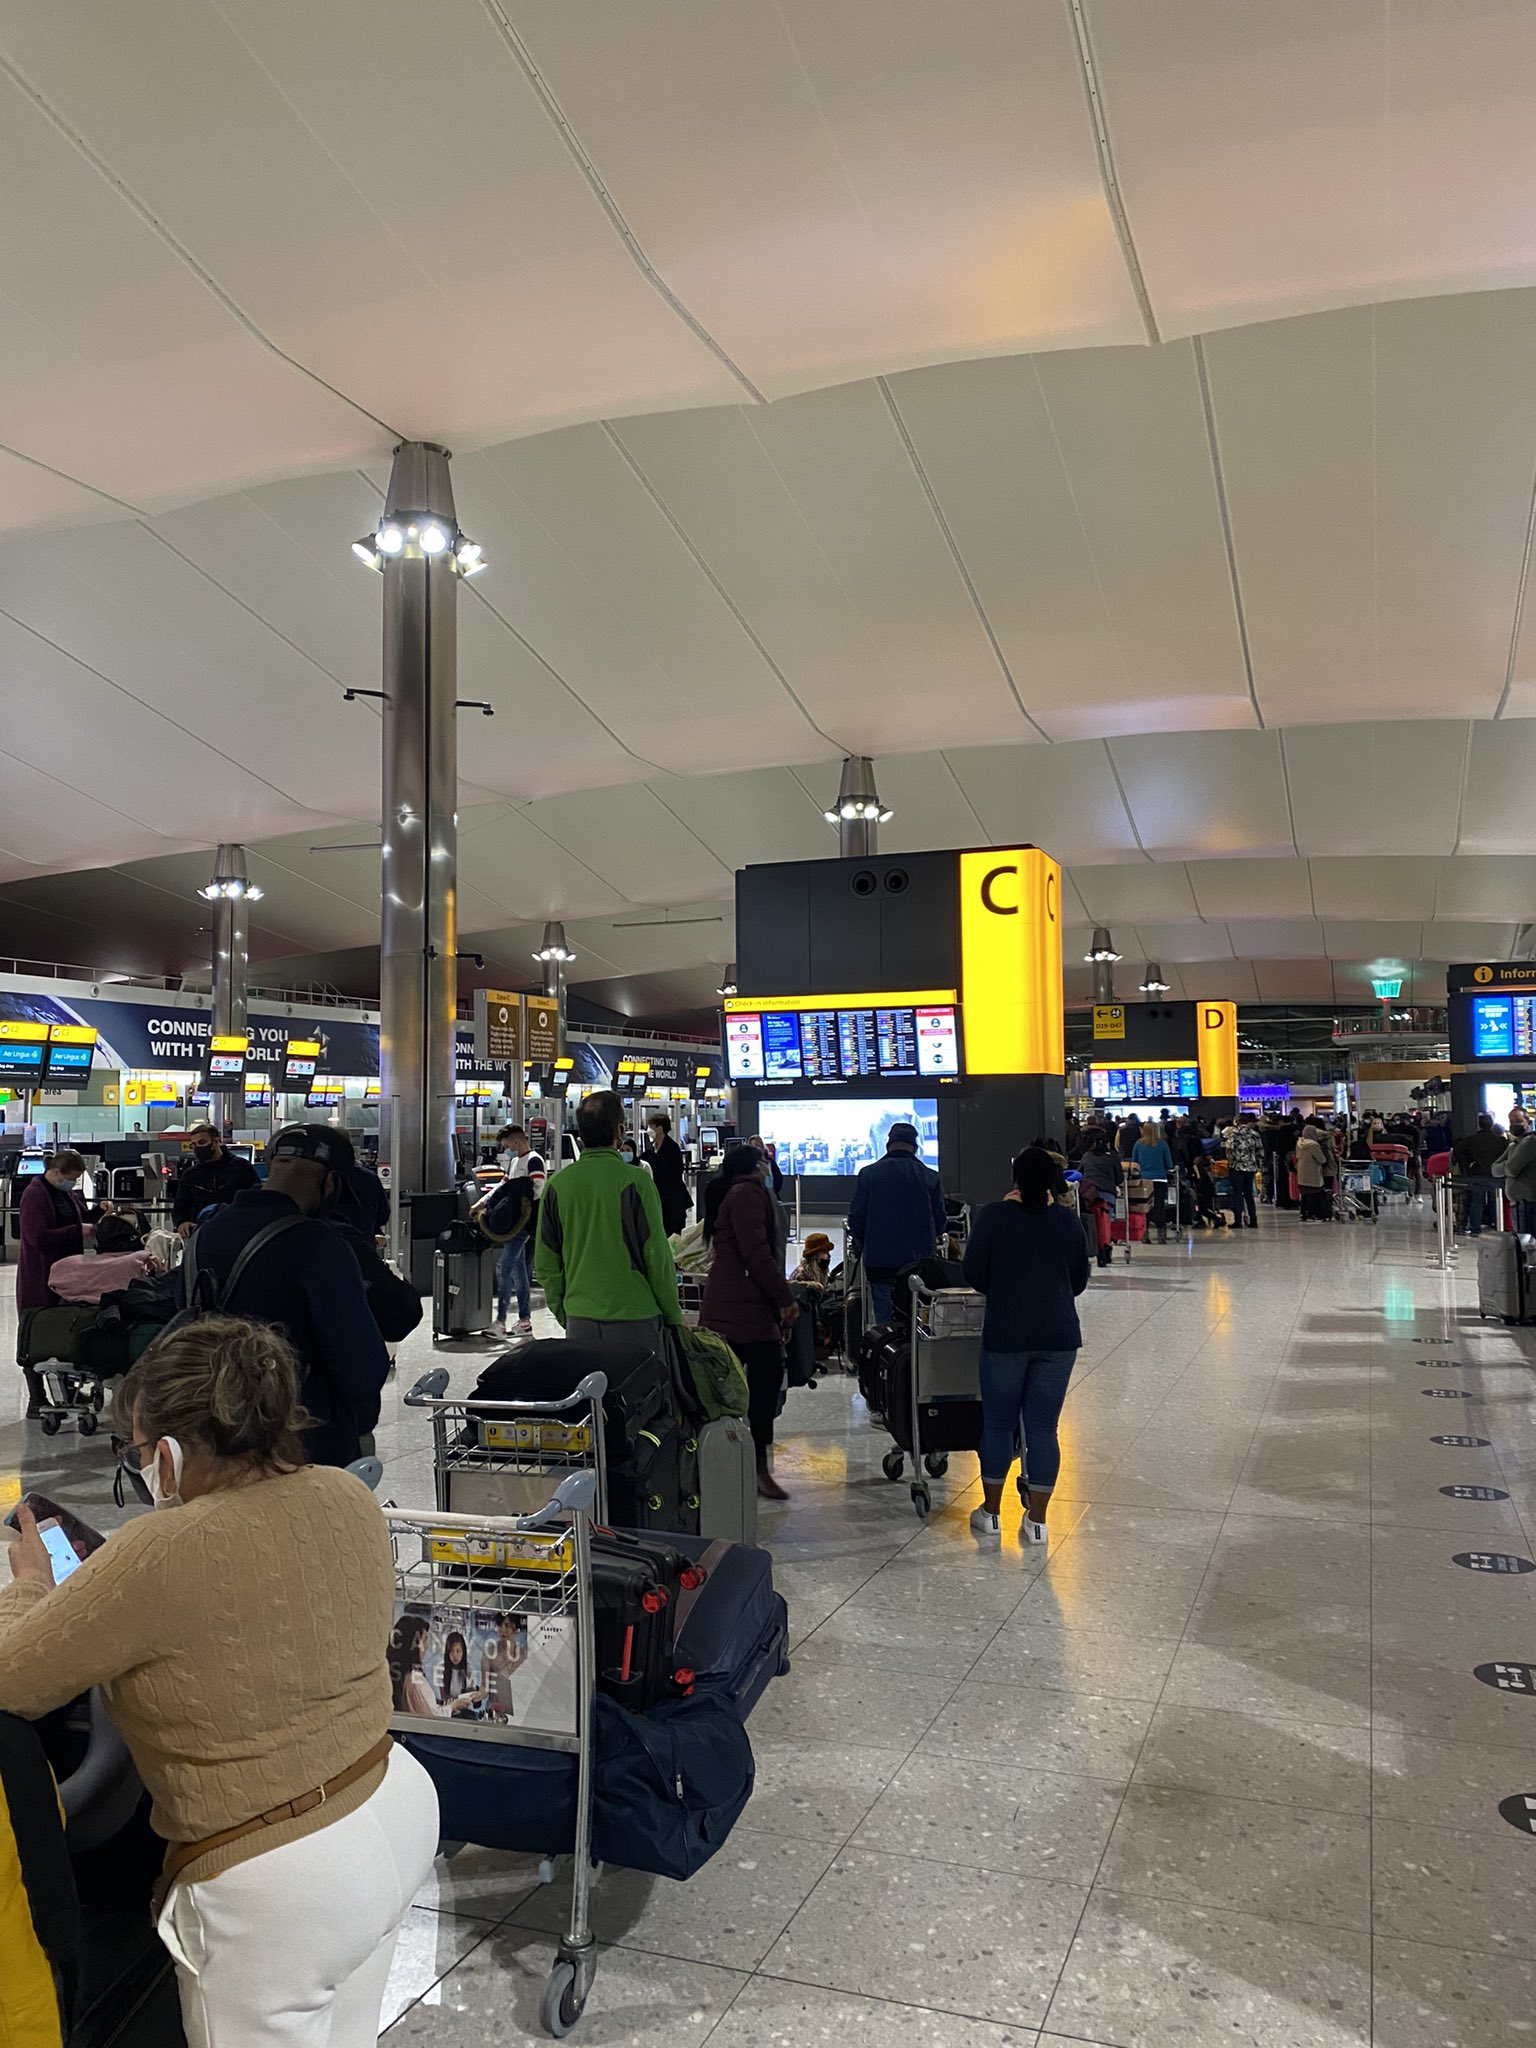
<point x="212" y="1175"/>
<point x="896" y="1216"/>
<point x="306" y="1280"/>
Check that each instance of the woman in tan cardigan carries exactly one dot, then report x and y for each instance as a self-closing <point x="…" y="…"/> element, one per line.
<point x="240" y="1642"/>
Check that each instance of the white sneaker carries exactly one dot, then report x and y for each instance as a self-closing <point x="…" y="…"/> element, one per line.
<point x="525" y="1328"/>
<point x="986" y="1527"/>
<point x="1034" y="1536"/>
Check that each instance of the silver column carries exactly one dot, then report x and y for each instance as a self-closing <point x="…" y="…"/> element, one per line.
<point x="229" y="894"/>
<point x="1101" y="957"/>
<point x="552" y="957"/>
<point x="859" y="813"/>
<point x="418" y="939"/>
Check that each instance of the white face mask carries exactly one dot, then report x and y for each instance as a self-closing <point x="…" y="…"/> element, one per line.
<point x="157" y="1493"/>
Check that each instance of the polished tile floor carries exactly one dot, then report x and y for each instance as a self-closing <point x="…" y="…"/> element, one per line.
<point x="1221" y="1771"/>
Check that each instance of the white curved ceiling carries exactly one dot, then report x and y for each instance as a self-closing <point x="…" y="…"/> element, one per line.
<point x="1115" y="417"/>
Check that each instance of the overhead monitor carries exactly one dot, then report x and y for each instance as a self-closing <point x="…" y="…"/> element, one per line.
<point x="1144" y="1083"/>
<point x="821" y="1039"/>
<point x="301" y="1062"/>
<point x="1504" y="1027"/>
<point x="22" y="1061"/>
<point x="71" y="1048"/>
<point x="836" y="1136"/>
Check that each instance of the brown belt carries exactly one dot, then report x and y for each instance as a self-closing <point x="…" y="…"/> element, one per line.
<point x="182" y="1854"/>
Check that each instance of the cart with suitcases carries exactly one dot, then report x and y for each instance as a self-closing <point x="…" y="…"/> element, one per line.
<point x="930" y="1398"/>
<point x="70" y="1355"/>
<point x="463" y="1283"/>
<point x="507" y="1457"/>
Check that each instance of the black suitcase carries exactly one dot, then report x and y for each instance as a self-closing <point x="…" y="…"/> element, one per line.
<point x="641" y="1398"/>
<point x="950" y="1425"/>
<point x="637" y="1580"/>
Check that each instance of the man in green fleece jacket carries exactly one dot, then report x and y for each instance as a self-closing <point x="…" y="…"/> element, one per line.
<point x="602" y="1256"/>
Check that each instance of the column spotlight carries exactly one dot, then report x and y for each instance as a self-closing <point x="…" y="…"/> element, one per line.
<point x="554" y="946"/>
<point x="1102" y="951"/>
<point x="1153" y="983"/>
<point x="409" y="537"/>
<point x="728" y="984"/>
<point x="229" y="880"/>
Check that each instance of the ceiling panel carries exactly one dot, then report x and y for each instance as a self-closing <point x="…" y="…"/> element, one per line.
<point x="1205" y="794"/>
<point x="656" y="941"/>
<point x="1367" y="939"/>
<point x="1063" y="798"/>
<point x="1275" y="938"/>
<point x="813" y="519"/>
<point x="509" y="860"/>
<point x="1290" y="981"/>
<point x="1221" y="981"/>
<point x="1252" y="888"/>
<point x="1402" y="888"/>
<point x="1470" y="940"/>
<point x="1376" y="788"/>
<point x="746" y="819"/>
<point x="884" y="181"/>
<point x="1316" y="155"/>
<point x="930" y="805"/>
<point x="1492" y="887"/>
<point x="1130" y="893"/>
<point x="634" y="842"/>
<point x="707" y="693"/>
<point x="1181" y="942"/>
<point x="1497" y="815"/>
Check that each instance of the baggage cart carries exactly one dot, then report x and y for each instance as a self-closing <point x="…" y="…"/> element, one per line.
<point x="510" y="1457"/>
<point x="518" y="1578"/>
<point x="690" y="1297"/>
<point x="945" y="1385"/>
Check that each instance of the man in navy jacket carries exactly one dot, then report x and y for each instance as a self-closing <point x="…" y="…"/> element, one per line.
<point x="896" y="1216"/>
<point x="307" y="1282"/>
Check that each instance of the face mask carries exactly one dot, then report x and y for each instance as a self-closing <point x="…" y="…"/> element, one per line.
<point x="158" y="1496"/>
<point x="629" y="1153"/>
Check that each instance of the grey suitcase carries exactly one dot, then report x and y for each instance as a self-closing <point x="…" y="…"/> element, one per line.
<point x="1504" y="1276"/>
<point x="727" y="1481"/>
<point x="463" y="1283"/>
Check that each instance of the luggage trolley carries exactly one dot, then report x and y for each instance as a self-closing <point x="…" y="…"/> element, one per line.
<point x="945" y="1386"/>
<point x="509" y="1457"/>
<point x="481" y="1576"/>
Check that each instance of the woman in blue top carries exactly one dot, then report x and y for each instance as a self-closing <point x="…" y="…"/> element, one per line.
<point x="1029" y="1258"/>
<point x="1154" y="1161"/>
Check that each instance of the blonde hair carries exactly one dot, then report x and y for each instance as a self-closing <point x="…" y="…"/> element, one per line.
<point x="221" y="1384"/>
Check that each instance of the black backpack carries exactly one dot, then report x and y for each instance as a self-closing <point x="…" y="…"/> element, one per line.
<point x="200" y="1293"/>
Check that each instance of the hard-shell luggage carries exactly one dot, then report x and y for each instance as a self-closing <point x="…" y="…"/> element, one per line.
<point x="636" y="1582"/>
<point x="654" y="1488"/>
<point x="727" y="1481"/>
<point x="1504" y="1276"/>
<point x="1135" y="1224"/>
<point x="463" y="1283"/>
<point x="641" y="1400"/>
<point x="874" y="1373"/>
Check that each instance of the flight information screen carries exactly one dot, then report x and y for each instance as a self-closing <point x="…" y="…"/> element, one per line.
<point x="1144" y="1084"/>
<point x="899" y="1042"/>
<point x="1504" y="1027"/>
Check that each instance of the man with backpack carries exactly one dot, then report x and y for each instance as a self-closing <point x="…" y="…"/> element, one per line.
<point x="271" y="1257"/>
<point x="507" y="1215"/>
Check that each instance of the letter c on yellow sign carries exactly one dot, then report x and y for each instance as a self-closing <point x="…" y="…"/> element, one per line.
<point x="1010" y="957"/>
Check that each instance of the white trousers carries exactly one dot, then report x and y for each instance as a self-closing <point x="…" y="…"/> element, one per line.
<point x="293" y="1947"/>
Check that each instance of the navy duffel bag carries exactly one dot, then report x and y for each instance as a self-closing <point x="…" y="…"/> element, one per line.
<point x="669" y="1787"/>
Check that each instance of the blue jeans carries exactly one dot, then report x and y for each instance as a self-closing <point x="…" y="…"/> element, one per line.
<point x="1525" y="1218"/>
<point x="1241" y="1180"/>
<point x="880" y="1300"/>
<point x="512" y="1276"/>
<point x="1022" y="1391"/>
<point x="1482" y="1206"/>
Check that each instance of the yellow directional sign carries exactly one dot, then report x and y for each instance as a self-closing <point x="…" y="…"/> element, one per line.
<point x="1109" y="1020"/>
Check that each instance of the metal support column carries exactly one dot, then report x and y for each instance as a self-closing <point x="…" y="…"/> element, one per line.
<point x="859" y="813"/>
<point x="229" y="893"/>
<point x="418" y="940"/>
<point x="553" y="957"/>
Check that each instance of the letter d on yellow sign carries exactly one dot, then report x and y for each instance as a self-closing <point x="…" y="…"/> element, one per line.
<point x="1216" y="1041"/>
<point x="1010" y="961"/>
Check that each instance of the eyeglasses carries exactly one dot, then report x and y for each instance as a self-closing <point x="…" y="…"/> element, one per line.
<point x="123" y="1449"/>
<point x="130" y="1467"/>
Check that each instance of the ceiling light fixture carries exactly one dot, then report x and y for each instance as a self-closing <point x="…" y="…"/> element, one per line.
<point x="1153" y="983"/>
<point x="728" y="985"/>
<point x="1102" y="950"/>
<point x="407" y="539"/>
<point x="554" y="946"/>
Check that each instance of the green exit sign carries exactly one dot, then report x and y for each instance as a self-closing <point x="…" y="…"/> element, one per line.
<point x="1387" y="991"/>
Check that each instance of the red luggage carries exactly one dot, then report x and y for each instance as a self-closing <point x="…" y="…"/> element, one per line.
<point x="1117" y="1228"/>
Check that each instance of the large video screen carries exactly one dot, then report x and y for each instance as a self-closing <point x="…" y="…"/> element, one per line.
<point x="1504" y="1027"/>
<point x="1144" y="1084"/>
<point x="905" y="1042"/>
<point x="838" y="1134"/>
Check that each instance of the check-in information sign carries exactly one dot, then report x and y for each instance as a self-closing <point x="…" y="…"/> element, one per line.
<point x="543" y="1030"/>
<point x="498" y="1025"/>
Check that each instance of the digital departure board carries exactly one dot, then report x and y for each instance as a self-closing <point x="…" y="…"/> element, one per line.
<point x="832" y="1040"/>
<point x="1144" y="1084"/>
<point x="1504" y="1027"/>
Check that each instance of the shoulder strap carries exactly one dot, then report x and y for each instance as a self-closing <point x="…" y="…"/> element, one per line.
<point x="264" y="1236"/>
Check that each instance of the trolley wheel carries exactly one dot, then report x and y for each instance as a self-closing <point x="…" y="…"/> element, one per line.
<point x="561" y="2006"/>
<point x="922" y="1499"/>
<point x="893" y="1464"/>
<point x="52" y="1424"/>
<point x="89" y="1422"/>
<point x="936" y="1464"/>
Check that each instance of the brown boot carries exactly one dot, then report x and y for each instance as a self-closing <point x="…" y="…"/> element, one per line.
<point x="768" y="1488"/>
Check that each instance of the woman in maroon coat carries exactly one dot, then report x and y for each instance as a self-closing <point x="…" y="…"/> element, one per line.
<point x="52" y="1225"/>
<point x="747" y="1298"/>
